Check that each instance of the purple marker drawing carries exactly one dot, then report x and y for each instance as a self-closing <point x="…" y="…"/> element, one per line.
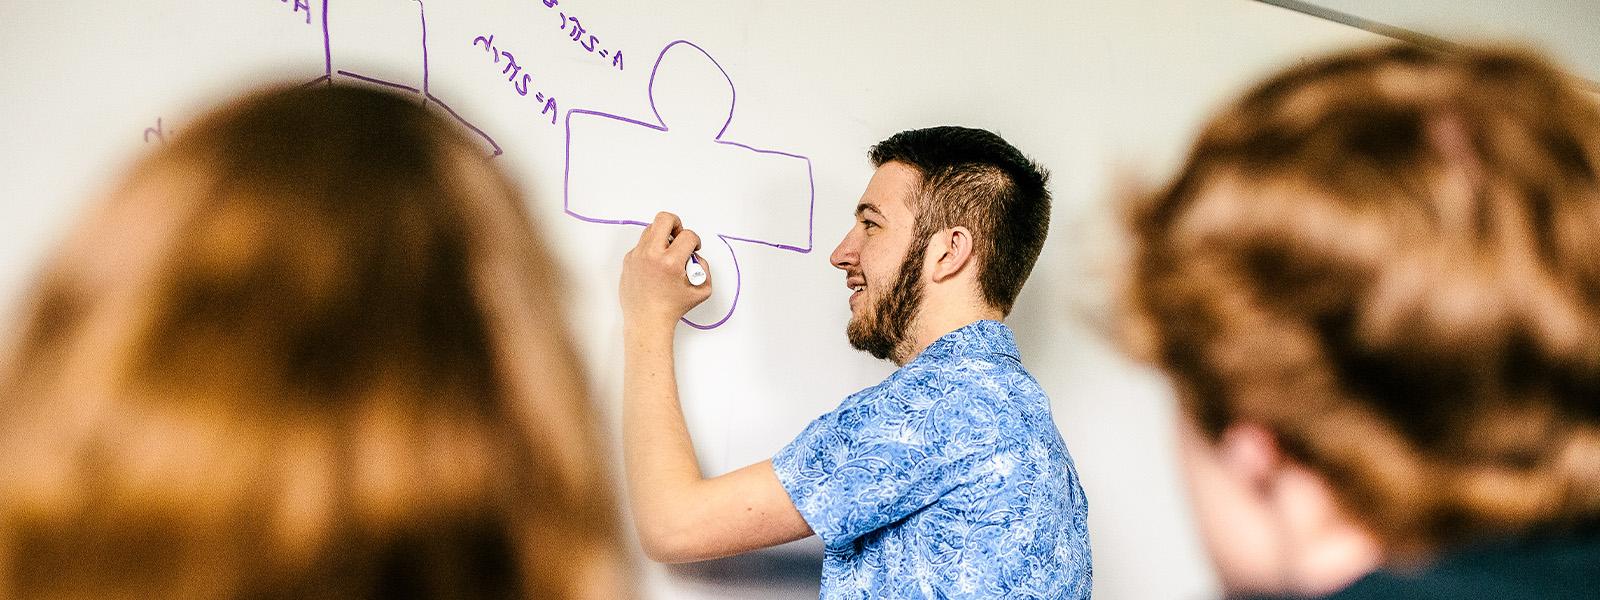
<point x="300" y="5"/>
<point x="683" y="165"/>
<point x="578" y="33"/>
<point x="513" y="70"/>
<point x="329" y="74"/>
<point x="159" y="133"/>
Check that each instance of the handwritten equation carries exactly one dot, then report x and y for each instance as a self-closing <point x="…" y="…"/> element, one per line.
<point x="584" y="39"/>
<point x="299" y="7"/>
<point x="518" y="74"/>
<point x="158" y="133"/>
<point x="512" y="70"/>
<point x="690" y="95"/>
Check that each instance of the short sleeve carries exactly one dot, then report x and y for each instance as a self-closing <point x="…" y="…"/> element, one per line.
<point x="884" y="454"/>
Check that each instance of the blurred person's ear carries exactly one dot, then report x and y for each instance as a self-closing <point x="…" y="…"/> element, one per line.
<point x="1271" y="524"/>
<point x="1228" y="484"/>
<point x="1250" y="454"/>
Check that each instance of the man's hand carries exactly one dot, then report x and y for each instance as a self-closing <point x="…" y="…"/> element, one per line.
<point x="655" y="292"/>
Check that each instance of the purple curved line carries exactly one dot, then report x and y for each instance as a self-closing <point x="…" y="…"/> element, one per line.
<point x="398" y="86"/>
<point x="738" y="288"/>
<point x="585" y="111"/>
<point x="661" y="125"/>
<point x="566" y="171"/>
<point x="811" y="210"/>
<point x="422" y="13"/>
<point x="327" y="46"/>
<point x="463" y="121"/>
<point x="427" y="96"/>
<point x="656" y="68"/>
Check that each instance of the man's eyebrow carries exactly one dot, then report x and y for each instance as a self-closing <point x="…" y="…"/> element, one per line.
<point x="866" y="206"/>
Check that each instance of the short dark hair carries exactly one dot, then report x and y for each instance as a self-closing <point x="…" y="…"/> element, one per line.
<point x="973" y="178"/>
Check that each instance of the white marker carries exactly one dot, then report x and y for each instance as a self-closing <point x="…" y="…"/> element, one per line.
<point x="695" y="271"/>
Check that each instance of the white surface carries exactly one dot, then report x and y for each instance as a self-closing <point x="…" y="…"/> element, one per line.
<point x="1089" y="89"/>
<point x="1567" y="29"/>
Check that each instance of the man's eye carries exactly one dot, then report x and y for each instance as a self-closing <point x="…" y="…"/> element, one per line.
<point x="868" y="224"/>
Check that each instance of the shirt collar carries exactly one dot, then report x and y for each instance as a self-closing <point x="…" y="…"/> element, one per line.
<point x="974" y="339"/>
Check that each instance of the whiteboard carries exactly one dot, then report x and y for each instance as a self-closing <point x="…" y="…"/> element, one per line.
<point x="1567" y="30"/>
<point x="757" y="124"/>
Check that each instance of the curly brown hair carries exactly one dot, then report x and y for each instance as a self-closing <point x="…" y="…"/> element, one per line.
<point x="1390" y="258"/>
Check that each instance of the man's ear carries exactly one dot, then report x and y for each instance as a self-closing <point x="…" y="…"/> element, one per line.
<point x="951" y="251"/>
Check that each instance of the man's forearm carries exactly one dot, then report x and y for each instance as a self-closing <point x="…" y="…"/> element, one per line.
<point x="659" y="456"/>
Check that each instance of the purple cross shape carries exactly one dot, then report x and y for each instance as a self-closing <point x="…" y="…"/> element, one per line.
<point x="621" y="171"/>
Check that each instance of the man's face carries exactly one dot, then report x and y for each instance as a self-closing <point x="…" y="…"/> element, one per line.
<point x="881" y="266"/>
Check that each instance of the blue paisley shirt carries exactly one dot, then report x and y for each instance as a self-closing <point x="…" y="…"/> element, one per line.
<point x="946" y="480"/>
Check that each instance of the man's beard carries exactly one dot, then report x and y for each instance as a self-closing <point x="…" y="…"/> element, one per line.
<point x="885" y="330"/>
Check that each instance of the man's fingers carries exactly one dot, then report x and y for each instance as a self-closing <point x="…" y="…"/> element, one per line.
<point x="686" y="242"/>
<point x="660" y="230"/>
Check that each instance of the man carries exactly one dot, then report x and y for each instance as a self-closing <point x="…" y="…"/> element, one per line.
<point x="948" y="479"/>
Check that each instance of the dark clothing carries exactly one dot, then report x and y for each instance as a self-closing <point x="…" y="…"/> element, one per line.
<point x="1565" y="567"/>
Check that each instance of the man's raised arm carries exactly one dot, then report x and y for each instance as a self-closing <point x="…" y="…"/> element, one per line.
<point x="680" y="515"/>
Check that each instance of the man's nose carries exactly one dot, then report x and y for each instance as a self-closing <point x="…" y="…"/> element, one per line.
<point x="845" y="255"/>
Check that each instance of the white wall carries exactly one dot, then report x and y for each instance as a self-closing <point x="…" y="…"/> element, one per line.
<point x="1090" y="89"/>
<point x="1569" y="30"/>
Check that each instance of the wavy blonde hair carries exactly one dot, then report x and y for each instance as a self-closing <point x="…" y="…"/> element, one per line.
<point x="310" y="349"/>
<point x="1390" y="258"/>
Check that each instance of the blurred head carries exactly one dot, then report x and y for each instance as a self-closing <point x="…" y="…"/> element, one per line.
<point x="952" y="220"/>
<point x="310" y="349"/>
<point x="1376" y="288"/>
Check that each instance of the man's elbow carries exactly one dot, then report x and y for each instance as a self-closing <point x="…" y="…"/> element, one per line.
<point x="670" y="545"/>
